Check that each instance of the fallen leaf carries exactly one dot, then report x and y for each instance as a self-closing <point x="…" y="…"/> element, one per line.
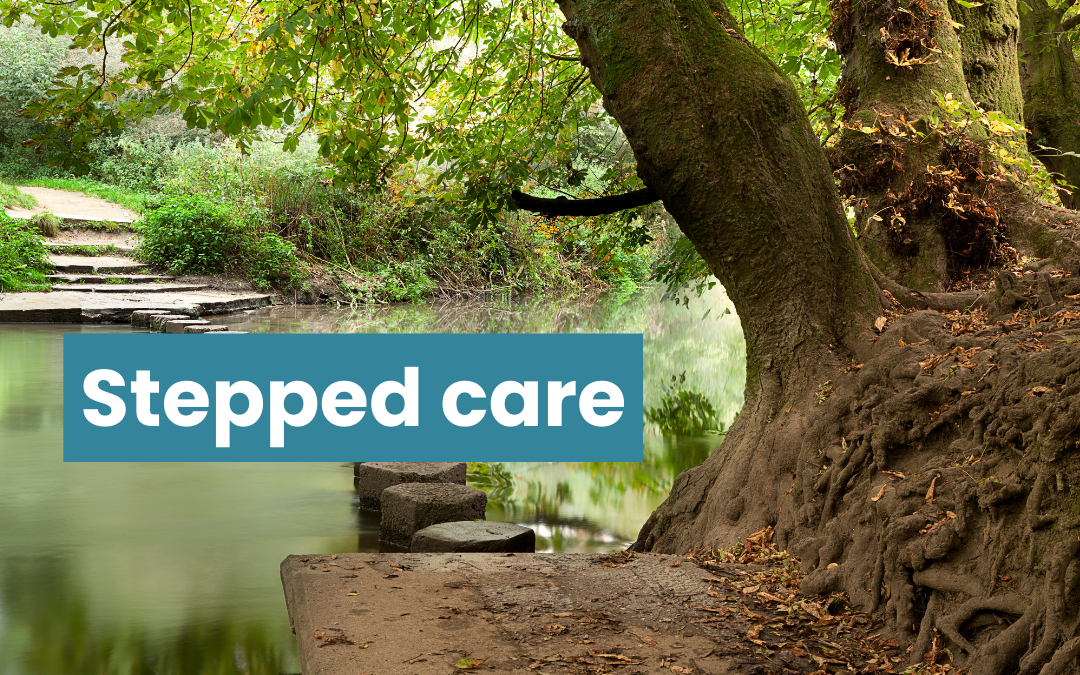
<point x="879" y="323"/>
<point x="679" y="670"/>
<point x="930" y="492"/>
<point x="646" y="639"/>
<point x="880" y="494"/>
<point x="753" y="634"/>
<point x="469" y="664"/>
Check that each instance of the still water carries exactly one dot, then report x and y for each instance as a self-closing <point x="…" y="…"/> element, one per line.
<point x="173" y="568"/>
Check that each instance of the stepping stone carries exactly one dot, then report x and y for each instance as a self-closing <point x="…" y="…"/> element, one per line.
<point x="410" y="507"/>
<point x="178" y="325"/>
<point x="227" y="332"/>
<point x="474" y="536"/>
<point x="208" y="328"/>
<point x="374" y="477"/>
<point x="140" y="318"/>
<point x="158" y="321"/>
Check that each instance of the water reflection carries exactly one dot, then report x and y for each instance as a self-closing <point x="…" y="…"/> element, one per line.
<point x="172" y="568"/>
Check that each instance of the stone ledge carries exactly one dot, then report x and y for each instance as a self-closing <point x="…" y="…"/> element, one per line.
<point x="421" y="613"/>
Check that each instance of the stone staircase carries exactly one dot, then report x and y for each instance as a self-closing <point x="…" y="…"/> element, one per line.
<point x="94" y="279"/>
<point x="79" y="270"/>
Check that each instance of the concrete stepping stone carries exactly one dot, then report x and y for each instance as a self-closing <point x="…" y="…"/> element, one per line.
<point x="140" y="318"/>
<point x="374" y="477"/>
<point x="178" y="325"/>
<point x="158" y="321"/>
<point x="410" y="507"/>
<point x="474" y="536"/>
<point x="208" y="328"/>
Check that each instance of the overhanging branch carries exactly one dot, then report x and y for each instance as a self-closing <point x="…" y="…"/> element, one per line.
<point x="584" y="207"/>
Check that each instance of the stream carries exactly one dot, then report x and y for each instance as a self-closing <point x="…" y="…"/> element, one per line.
<point x="173" y="568"/>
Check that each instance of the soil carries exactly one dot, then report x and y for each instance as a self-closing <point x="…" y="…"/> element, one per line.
<point x="72" y="205"/>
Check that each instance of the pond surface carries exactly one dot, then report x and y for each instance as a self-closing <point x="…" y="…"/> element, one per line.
<point x="173" y="568"/>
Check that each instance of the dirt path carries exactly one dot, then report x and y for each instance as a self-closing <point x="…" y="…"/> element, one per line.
<point x="72" y="206"/>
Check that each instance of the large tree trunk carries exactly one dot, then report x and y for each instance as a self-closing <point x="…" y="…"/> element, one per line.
<point x="981" y="428"/>
<point x="898" y="57"/>
<point x="720" y="134"/>
<point x="1051" y="83"/>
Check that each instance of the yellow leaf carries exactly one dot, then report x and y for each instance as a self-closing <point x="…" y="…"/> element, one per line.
<point x="469" y="664"/>
<point x="382" y="98"/>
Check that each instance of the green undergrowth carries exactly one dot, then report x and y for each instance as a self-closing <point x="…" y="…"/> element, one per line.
<point x="279" y="219"/>
<point x="90" y="250"/>
<point x="9" y="197"/>
<point x="23" y="258"/>
<point x="193" y="235"/>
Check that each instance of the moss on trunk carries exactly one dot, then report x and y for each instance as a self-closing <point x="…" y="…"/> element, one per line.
<point x="1051" y="84"/>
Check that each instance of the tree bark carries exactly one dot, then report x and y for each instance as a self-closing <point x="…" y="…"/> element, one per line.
<point x="931" y="207"/>
<point x="721" y="136"/>
<point x="1051" y="82"/>
<point x="970" y="409"/>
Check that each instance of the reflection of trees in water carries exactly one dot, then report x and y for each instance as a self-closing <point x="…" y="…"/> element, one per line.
<point x="548" y="506"/>
<point x="535" y="314"/>
<point x="46" y="628"/>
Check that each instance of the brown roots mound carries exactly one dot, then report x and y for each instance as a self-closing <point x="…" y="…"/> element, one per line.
<point x="941" y="476"/>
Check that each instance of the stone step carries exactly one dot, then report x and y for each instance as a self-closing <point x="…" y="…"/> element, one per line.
<point x="105" y="278"/>
<point x="133" y="288"/>
<point x="66" y="264"/>
<point x="86" y="248"/>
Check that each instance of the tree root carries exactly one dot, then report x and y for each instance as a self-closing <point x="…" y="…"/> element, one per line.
<point x="940" y="468"/>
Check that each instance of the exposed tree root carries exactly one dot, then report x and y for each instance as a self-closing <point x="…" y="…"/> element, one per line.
<point x="940" y="475"/>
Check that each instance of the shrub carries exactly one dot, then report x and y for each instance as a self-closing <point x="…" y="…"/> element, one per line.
<point x="10" y="196"/>
<point x="45" y="224"/>
<point x="196" y="236"/>
<point x="190" y="235"/>
<point x="23" y="258"/>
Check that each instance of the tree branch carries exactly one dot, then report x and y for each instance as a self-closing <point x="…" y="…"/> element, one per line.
<point x="584" y="207"/>
<point x="1073" y="22"/>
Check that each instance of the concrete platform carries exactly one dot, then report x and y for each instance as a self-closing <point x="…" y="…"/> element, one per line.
<point x="419" y="614"/>
<point x="76" y="307"/>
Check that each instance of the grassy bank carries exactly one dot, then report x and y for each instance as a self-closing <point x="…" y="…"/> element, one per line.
<point x="278" y="219"/>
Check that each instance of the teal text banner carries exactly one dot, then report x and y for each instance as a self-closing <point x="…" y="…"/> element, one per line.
<point x="346" y="398"/>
